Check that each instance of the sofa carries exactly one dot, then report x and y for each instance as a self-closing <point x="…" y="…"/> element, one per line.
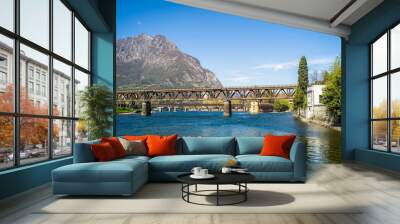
<point x="125" y="176"/>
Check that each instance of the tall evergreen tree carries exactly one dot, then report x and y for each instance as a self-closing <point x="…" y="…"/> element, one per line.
<point x="300" y="97"/>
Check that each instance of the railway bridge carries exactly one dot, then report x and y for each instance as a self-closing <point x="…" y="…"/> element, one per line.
<point x="244" y="97"/>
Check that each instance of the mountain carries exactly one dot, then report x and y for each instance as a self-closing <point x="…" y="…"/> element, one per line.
<point x="148" y="62"/>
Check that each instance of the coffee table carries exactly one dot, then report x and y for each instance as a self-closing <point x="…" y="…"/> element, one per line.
<point x="238" y="179"/>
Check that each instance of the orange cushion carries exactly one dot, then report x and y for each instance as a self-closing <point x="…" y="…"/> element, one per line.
<point x="277" y="145"/>
<point x="161" y="145"/>
<point x="116" y="145"/>
<point x="103" y="151"/>
<point x="136" y="137"/>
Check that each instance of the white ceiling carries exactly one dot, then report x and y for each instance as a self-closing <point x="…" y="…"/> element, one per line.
<point x="321" y="9"/>
<point x="317" y="15"/>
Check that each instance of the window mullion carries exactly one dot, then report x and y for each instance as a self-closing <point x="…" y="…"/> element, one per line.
<point x="73" y="82"/>
<point x="16" y="70"/>
<point x="389" y="106"/>
<point x="50" y="81"/>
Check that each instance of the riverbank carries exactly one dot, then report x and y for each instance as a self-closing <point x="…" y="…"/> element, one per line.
<point x="318" y="122"/>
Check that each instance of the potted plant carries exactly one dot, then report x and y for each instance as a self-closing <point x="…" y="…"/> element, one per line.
<point x="97" y="109"/>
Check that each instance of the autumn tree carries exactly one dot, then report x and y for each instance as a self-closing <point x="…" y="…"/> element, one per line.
<point x="379" y="128"/>
<point x="33" y="131"/>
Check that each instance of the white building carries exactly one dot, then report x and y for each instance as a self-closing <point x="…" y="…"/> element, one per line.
<point x="315" y="109"/>
<point x="34" y="79"/>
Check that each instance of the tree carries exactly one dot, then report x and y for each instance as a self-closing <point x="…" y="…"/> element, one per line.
<point x="281" y="105"/>
<point x="97" y="104"/>
<point x="300" y="96"/>
<point x="332" y="93"/>
<point x="379" y="128"/>
<point x="33" y="131"/>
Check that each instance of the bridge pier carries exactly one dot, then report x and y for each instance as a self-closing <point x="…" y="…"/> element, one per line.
<point x="227" y="108"/>
<point x="254" y="107"/>
<point x="146" y="108"/>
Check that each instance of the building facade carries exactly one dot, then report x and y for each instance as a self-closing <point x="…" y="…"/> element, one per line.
<point x="34" y="81"/>
<point x="315" y="109"/>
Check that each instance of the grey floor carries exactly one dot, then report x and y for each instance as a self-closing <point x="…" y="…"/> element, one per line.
<point x="378" y="189"/>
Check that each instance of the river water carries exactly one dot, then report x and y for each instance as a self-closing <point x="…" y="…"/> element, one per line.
<point x="323" y="144"/>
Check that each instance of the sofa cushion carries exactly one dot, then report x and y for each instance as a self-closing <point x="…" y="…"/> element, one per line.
<point x="257" y="163"/>
<point x="135" y="147"/>
<point x="103" y="152"/>
<point x="185" y="163"/>
<point x="112" y="171"/>
<point x="207" y="145"/>
<point x="161" y="145"/>
<point x="249" y="145"/>
<point x="116" y="145"/>
<point x="277" y="145"/>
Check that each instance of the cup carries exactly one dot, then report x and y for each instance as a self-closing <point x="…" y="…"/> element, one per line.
<point x="226" y="170"/>
<point x="196" y="171"/>
<point x="203" y="172"/>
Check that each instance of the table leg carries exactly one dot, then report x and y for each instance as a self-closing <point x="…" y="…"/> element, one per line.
<point x="217" y="194"/>
<point x="245" y="193"/>
<point x="188" y="190"/>
<point x="195" y="188"/>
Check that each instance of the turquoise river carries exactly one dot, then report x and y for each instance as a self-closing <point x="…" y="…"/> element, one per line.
<point x="323" y="144"/>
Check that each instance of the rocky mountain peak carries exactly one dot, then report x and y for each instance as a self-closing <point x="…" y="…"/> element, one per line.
<point x="148" y="61"/>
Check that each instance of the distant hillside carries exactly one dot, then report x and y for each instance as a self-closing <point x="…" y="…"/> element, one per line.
<point x="148" y="62"/>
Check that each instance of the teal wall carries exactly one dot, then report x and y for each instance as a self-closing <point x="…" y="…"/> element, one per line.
<point x="356" y="84"/>
<point x="99" y="15"/>
<point x="24" y="178"/>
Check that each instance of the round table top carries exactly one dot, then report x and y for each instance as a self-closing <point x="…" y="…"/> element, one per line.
<point x="220" y="178"/>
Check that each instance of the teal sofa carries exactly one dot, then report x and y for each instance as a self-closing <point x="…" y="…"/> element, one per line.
<point x="125" y="176"/>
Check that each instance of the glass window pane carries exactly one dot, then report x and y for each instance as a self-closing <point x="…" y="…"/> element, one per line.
<point x="6" y="142"/>
<point x="81" y="82"/>
<point x="81" y="45"/>
<point x="395" y="94"/>
<point x="33" y="139"/>
<point x="34" y="72"/>
<point x="6" y="74"/>
<point x="379" y="98"/>
<point x="395" y="47"/>
<point x="62" y="138"/>
<point x="62" y="29"/>
<point x="379" y="56"/>
<point x="34" y="18"/>
<point x="7" y="14"/>
<point x="81" y="131"/>
<point x="379" y="135"/>
<point x="395" y="136"/>
<point x="62" y="89"/>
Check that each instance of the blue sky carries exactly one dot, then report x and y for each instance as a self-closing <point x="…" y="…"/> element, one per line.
<point x="238" y="50"/>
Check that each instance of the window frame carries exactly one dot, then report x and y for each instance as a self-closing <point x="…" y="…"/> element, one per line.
<point x="16" y="114"/>
<point x="388" y="74"/>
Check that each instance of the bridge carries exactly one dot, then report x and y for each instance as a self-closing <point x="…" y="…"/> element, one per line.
<point x="204" y="97"/>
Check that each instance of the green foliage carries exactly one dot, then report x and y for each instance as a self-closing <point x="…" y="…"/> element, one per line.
<point x="124" y="110"/>
<point x="281" y="105"/>
<point x="97" y="104"/>
<point x="300" y="97"/>
<point x="332" y="93"/>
